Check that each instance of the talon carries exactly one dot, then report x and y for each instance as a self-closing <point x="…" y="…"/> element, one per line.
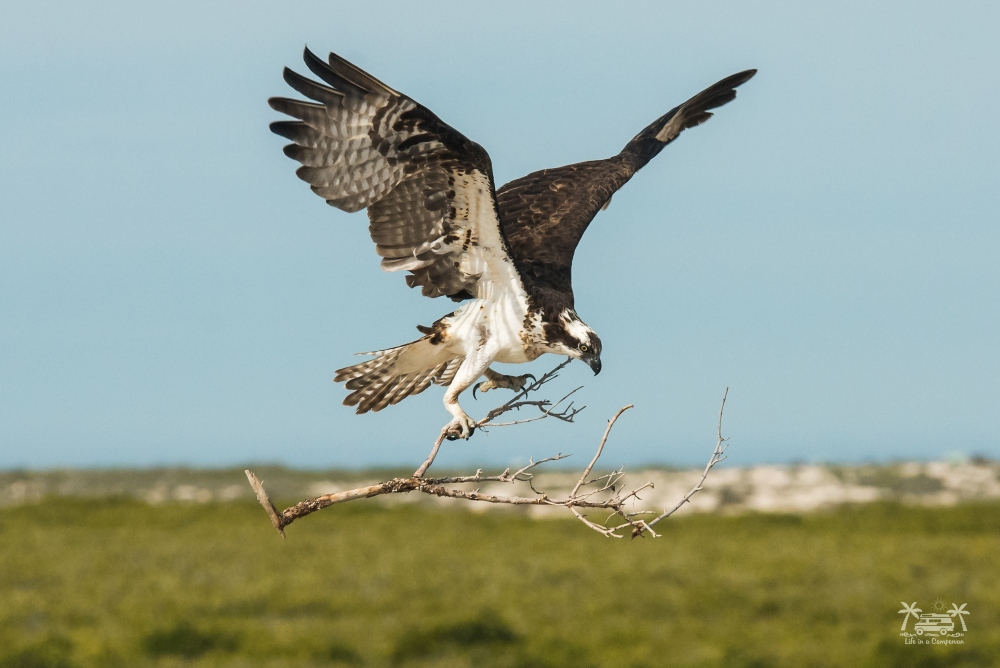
<point x="461" y="427"/>
<point x="484" y="386"/>
<point x="497" y="381"/>
<point x="518" y="383"/>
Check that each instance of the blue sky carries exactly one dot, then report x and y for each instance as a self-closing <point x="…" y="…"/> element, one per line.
<point x="826" y="246"/>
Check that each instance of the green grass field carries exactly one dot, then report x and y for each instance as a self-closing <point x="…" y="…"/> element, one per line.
<point x="122" y="583"/>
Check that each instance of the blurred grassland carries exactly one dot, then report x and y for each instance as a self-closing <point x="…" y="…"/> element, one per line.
<point x="117" y="582"/>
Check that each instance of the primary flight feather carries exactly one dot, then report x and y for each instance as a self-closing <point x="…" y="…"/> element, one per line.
<point x="434" y="212"/>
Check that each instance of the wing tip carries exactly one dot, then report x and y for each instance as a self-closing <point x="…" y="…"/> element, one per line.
<point x="741" y="78"/>
<point x="289" y="129"/>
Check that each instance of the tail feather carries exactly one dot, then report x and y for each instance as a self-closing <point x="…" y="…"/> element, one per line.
<point x="396" y="373"/>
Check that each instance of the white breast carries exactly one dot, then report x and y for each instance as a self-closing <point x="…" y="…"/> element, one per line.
<point x="501" y="304"/>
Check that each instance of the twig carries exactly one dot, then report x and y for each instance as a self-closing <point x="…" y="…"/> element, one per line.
<point x="272" y="512"/>
<point x="600" y="448"/>
<point x="718" y="455"/>
<point x="566" y="415"/>
<point x="434" y="451"/>
<point x="513" y="404"/>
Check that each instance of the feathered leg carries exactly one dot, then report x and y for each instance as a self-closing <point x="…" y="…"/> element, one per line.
<point x="474" y="365"/>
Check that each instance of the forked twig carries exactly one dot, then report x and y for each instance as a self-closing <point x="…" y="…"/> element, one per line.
<point x="548" y="410"/>
<point x="518" y="402"/>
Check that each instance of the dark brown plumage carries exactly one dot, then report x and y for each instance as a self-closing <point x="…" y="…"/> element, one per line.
<point x="544" y="214"/>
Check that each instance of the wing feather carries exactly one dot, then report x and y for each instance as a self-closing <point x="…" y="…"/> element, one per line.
<point x="311" y="89"/>
<point x="544" y="214"/>
<point x="428" y="189"/>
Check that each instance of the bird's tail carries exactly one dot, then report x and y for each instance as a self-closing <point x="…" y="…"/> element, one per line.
<point x="396" y="373"/>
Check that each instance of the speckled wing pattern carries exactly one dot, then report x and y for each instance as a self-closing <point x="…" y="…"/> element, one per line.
<point x="429" y="190"/>
<point x="543" y="215"/>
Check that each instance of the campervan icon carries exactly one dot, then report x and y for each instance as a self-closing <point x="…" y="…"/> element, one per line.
<point x="934" y="624"/>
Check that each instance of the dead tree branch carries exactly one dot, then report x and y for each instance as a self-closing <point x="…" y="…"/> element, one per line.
<point x="605" y="492"/>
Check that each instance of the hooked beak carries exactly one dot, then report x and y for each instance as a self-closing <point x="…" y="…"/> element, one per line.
<point x="595" y="364"/>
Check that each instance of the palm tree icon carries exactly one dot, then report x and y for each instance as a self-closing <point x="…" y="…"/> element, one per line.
<point x="957" y="611"/>
<point x="910" y="609"/>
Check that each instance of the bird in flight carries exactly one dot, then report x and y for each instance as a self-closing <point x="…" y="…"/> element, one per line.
<point x="434" y="211"/>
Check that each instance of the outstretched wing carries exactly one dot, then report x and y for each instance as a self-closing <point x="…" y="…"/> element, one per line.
<point x="544" y="214"/>
<point x="429" y="190"/>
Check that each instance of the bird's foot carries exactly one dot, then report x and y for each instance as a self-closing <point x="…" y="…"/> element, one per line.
<point x="496" y="381"/>
<point x="462" y="426"/>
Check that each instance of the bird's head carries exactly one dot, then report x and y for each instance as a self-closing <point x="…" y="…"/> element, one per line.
<point x="577" y="340"/>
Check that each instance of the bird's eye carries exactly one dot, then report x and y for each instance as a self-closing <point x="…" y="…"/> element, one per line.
<point x="583" y="348"/>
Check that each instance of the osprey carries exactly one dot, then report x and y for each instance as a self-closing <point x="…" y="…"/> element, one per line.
<point x="434" y="212"/>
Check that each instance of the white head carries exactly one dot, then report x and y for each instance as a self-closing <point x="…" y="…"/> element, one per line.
<point x="573" y="337"/>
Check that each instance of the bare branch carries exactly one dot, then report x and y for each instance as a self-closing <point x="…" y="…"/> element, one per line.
<point x="434" y="451"/>
<point x="262" y="497"/>
<point x="604" y="492"/>
<point x="718" y="455"/>
<point x="600" y="448"/>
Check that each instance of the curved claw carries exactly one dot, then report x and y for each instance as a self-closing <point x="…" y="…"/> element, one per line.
<point x="526" y="385"/>
<point x="475" y="386"/>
